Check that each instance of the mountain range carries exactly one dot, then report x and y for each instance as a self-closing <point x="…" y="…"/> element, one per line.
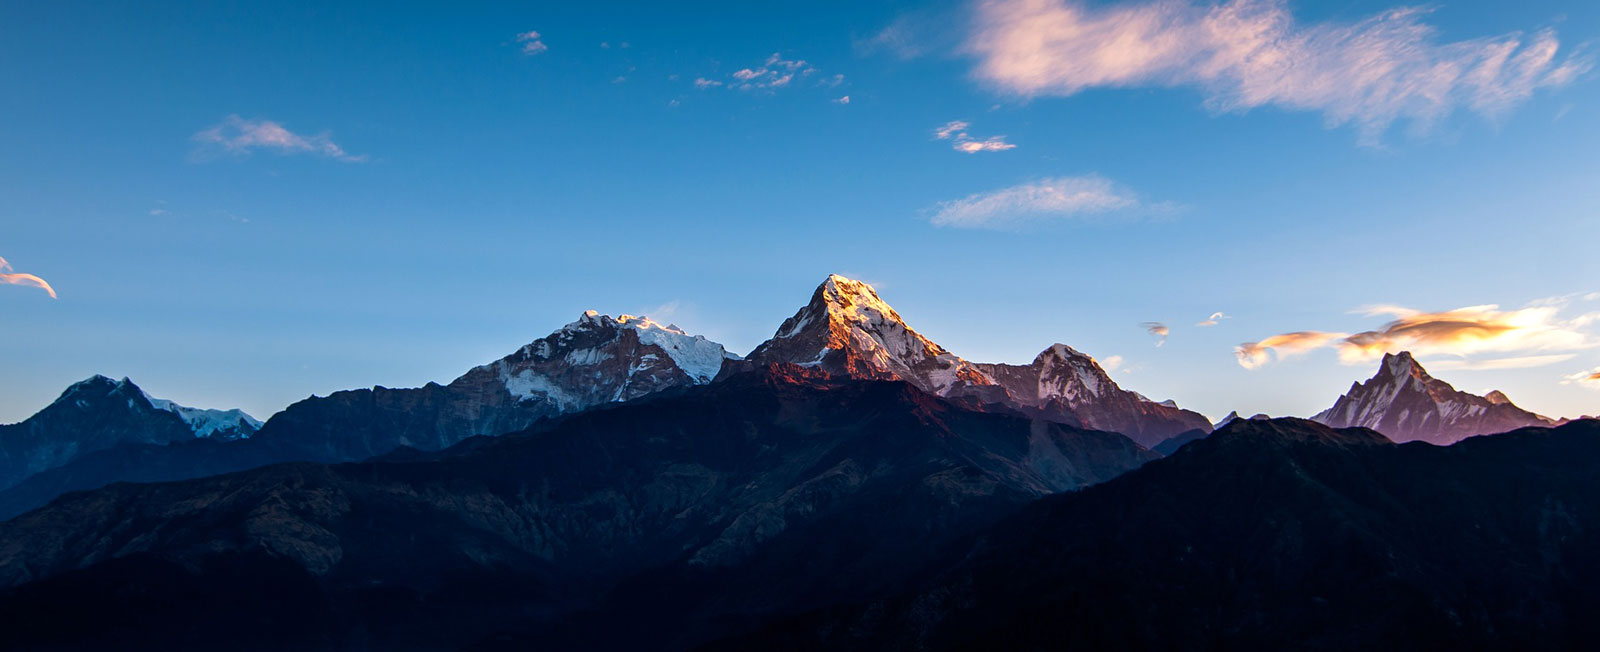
<point x="845" y="329"/>
<point x="850" y="484"/>
<point x="702" y="490"/>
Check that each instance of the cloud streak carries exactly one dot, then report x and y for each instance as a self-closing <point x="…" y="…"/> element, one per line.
<point x="1589" y="379"/>
<point x="8" y="277"/>
<point x="238" y="136"/>
<point x="1460" y="333"/>
<point x="1055" y="198"/>
<point x="1519" y="362"/>
<point x="1255" y="354"/>
<point x="1244" y="54"/>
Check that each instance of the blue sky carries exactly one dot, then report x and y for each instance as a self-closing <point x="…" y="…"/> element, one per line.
<point x="243" y="204"/>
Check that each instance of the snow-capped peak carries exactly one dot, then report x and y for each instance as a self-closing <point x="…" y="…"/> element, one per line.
<point x="1403" y="402"/>
<point x="856" y="300"/>
<point x="207" y="422"/>
<point x="204" y="422"/>
<point x="697" y="356"/>
<point x="848" y="329"/>
<point x="595" y="360"/>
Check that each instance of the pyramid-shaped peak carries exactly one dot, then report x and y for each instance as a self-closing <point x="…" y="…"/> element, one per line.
<point x="1402" y="364"/>
<point x="842" y="294"/>
<point x="1405" y="403"/>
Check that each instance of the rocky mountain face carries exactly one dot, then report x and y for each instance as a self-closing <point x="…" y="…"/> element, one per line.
<point x="688" y="515"/>
<point x="1274" y="534"/>
<point x="1405" y="403"/>
<point x="1063" y="381"/>
<point x="592" y="361"/>
<point x="99" y="414"/>
<point x="847" y="329"/>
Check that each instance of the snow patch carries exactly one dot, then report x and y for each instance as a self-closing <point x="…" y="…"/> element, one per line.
<point x="697" y="356"/>
<point x="208" y="423"/>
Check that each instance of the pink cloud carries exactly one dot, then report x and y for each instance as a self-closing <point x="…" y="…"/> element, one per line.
<point x="237" y="135"/>
<point x="9" y="277"/>
<point x="1245" y="54"/>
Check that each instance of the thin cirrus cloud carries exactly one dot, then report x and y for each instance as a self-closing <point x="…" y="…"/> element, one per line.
<point x="1047" y="199"/>
<point x="955" y="131"/>
<point x="8" y="277"/>
<point x="240" y="136"/>
<point x="1245" y="54"/>
<point x="1538" y="333"/>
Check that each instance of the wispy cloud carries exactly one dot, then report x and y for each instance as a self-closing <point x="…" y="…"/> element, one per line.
<point x="1157" y="330"/>
<point x="1518" y="362"/>
<point x="1213" y="320"/>
<point x="236" y="135"/>
<point x="1590" y="378"/>
<point x="1057" y="198"/>
<point x="951" y="129"/>
<point x="9" y="277"/>
<point x="1245" y="54"/>
<point x="1111" y="362"/>
<point x="702" y="82"/>
<point x="1255" y="354"/>
<point x="1461" y="333"/>
<point x="956" y="132"/>
<point x="842" y="100"/>
<point x="532" y="43"/>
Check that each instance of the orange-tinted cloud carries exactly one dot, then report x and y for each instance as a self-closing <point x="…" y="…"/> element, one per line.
<point x="1458" y="333"/>
<point x="1590" y="378"/>
<point x="9" y="277"/>
<point x="1463" y="331"/>
<point x="1255" y="354"/>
